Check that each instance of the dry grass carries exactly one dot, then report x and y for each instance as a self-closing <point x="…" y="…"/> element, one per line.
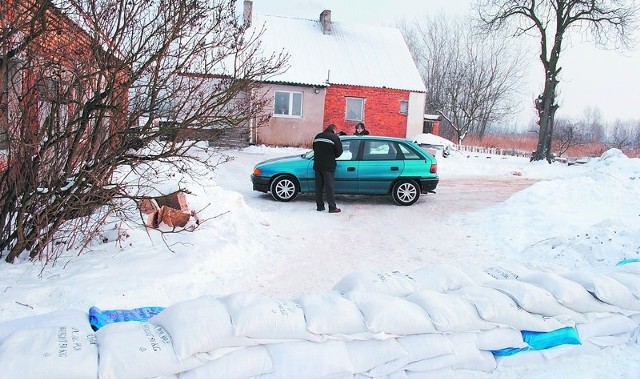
<point x="527" y="143"/>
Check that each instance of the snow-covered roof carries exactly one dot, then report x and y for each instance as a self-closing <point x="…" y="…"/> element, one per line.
<point x="351" y="54"/>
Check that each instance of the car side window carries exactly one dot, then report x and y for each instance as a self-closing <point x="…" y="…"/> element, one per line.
<point x="379" y="151"/>
<point x="349" y="150"/>
<point x="408" y="153"/>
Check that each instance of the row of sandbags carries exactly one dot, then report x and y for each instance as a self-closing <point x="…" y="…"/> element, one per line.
<point x="434" y="320"/>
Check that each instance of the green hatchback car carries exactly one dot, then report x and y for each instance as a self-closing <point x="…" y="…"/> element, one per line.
<point x="369" y="165"/>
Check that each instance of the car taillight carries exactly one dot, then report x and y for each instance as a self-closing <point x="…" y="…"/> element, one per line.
<point x="434" y="168"/>
<point x="256" y="171"/>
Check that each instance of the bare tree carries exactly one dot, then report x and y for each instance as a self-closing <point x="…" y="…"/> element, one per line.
<point x="470" y="77"/>
<point x="80" y="103"/>
<point x="569" y="133"/>
<point x="551" y="21"/>
<point x="622" y="135"/>
<point x="593" y="125"/>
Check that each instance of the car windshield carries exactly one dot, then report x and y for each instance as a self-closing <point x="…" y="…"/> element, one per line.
<point x="308" y="154"/>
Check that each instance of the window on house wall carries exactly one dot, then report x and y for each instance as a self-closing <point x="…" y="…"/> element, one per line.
<point x="404" y="107"/>
<point x="355" y="109"/>
<point x="287" y="103"/>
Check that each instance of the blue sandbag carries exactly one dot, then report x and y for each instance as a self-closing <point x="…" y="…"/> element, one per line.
<point x="99" y="318"/>
<point x="543" y="340"/>
<point x="627" y="261"/>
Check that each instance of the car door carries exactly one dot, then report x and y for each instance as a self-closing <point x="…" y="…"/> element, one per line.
<point x="347" y="167"/>
<point x="380" y="166"/>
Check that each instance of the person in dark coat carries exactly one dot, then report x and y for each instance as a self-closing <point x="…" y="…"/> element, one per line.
<point x="326" y="148"/>
<point x="361" y="130"/>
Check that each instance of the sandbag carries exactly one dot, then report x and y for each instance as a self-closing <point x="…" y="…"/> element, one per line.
<point x="450" y="313"/>
<point x="466" y="356"/>
<point x="392" y="315"/>
<point x="199" y="325"/>
<point x="499" y="338"/>
<point x="264" y="318"/>
<point x="134" y="350"/>
<point x="243" y="363"/>
<point x="631" y="281"/>
<point x="606" y="326"/>
<point x="605" y="289"/>
<point x="440" y="278"/>
<point x="304" y="359"/>
<point x="393" y="283"/>
<point x="568" y="293"/>
<point x="365" y="355"/>
<point x="99" y="318"/>
<point x="418" y="347"/>
<point x="534" y="299"/>
<point x="331" y="314"/>
<point x="55" y="352"/>
<point x="508" y="271"/>
<point x="68" y="317"/>
<point x="496" y="307"/>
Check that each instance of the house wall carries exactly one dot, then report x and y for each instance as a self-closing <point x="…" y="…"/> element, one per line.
<point x="381" y="109"/>
<point x="56" y="47"/>
<point x="282" y="130"/>
<point x="415" y="119"/>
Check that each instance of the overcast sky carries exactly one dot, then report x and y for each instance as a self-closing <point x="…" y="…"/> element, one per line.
<point x="590" y="77"/>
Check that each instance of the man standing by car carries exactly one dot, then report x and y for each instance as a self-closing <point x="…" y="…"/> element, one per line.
<point x="326" y="148"/>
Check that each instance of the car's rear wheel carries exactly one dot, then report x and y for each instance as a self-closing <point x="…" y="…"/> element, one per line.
<point x="284" y="188"/>
<point x="405" y="192"/>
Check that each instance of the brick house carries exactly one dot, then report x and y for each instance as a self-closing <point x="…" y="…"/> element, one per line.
<point x="47" y="71"/>
<point x="337" y="73"/>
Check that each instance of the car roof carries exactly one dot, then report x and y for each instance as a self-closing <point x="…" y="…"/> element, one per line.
<point x="382" y="138"/>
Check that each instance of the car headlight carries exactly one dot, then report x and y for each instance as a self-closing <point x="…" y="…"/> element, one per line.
<point x="257" y="171"/>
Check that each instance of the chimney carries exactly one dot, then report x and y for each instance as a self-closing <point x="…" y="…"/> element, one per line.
<point x="325" y="21"/>
<point x="248" y="10"/>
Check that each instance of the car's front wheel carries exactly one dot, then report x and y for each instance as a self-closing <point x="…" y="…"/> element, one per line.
<point x="405" y="192"/>
<point x="284" y="188"/>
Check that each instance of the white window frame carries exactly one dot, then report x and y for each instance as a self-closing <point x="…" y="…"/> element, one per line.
<point x="347" y="116"/>
<point x="290" y="111"/>
<point x="404" y="107"/>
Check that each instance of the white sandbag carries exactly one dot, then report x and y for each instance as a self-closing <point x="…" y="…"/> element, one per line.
<point x="392" y="315"/>
<point x="606" y="326"/>
<point x="615" y="340"/>
<point x="566" y="351"/>
<point x="520" y="359"/>
<point x="134" y="350"/>
<point x="423" y="346"/>
<point x="306" y="359"/>
<point x="70" y="317"/>
<point x="499" y="338"/>
<point x="631" y="281"/>
<point x="331" y="314"/>
<point x="568" y="293"/>
<point x="605" y="289"/>
<point x="535" y="299"/>
<point x="243" y="363"/>
<point x="55" y="352"/>
<point x="496" y="307"/>
<point x="450" y="313"/>
<point x="262" y="317"/>
<point x="508" y="271"/>
<point x="365" y="355"/>
<point x="393" y="283"/>
<point x="199" y="325"/>
<point x="418" y="347"/>
<point x="466" y="356"/>
<point x="440" y="277"/>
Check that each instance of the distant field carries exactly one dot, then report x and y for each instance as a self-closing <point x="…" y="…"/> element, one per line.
<point x="528" y="144"/>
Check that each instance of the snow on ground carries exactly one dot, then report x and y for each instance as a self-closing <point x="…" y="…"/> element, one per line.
<point x="584" y="216"/>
